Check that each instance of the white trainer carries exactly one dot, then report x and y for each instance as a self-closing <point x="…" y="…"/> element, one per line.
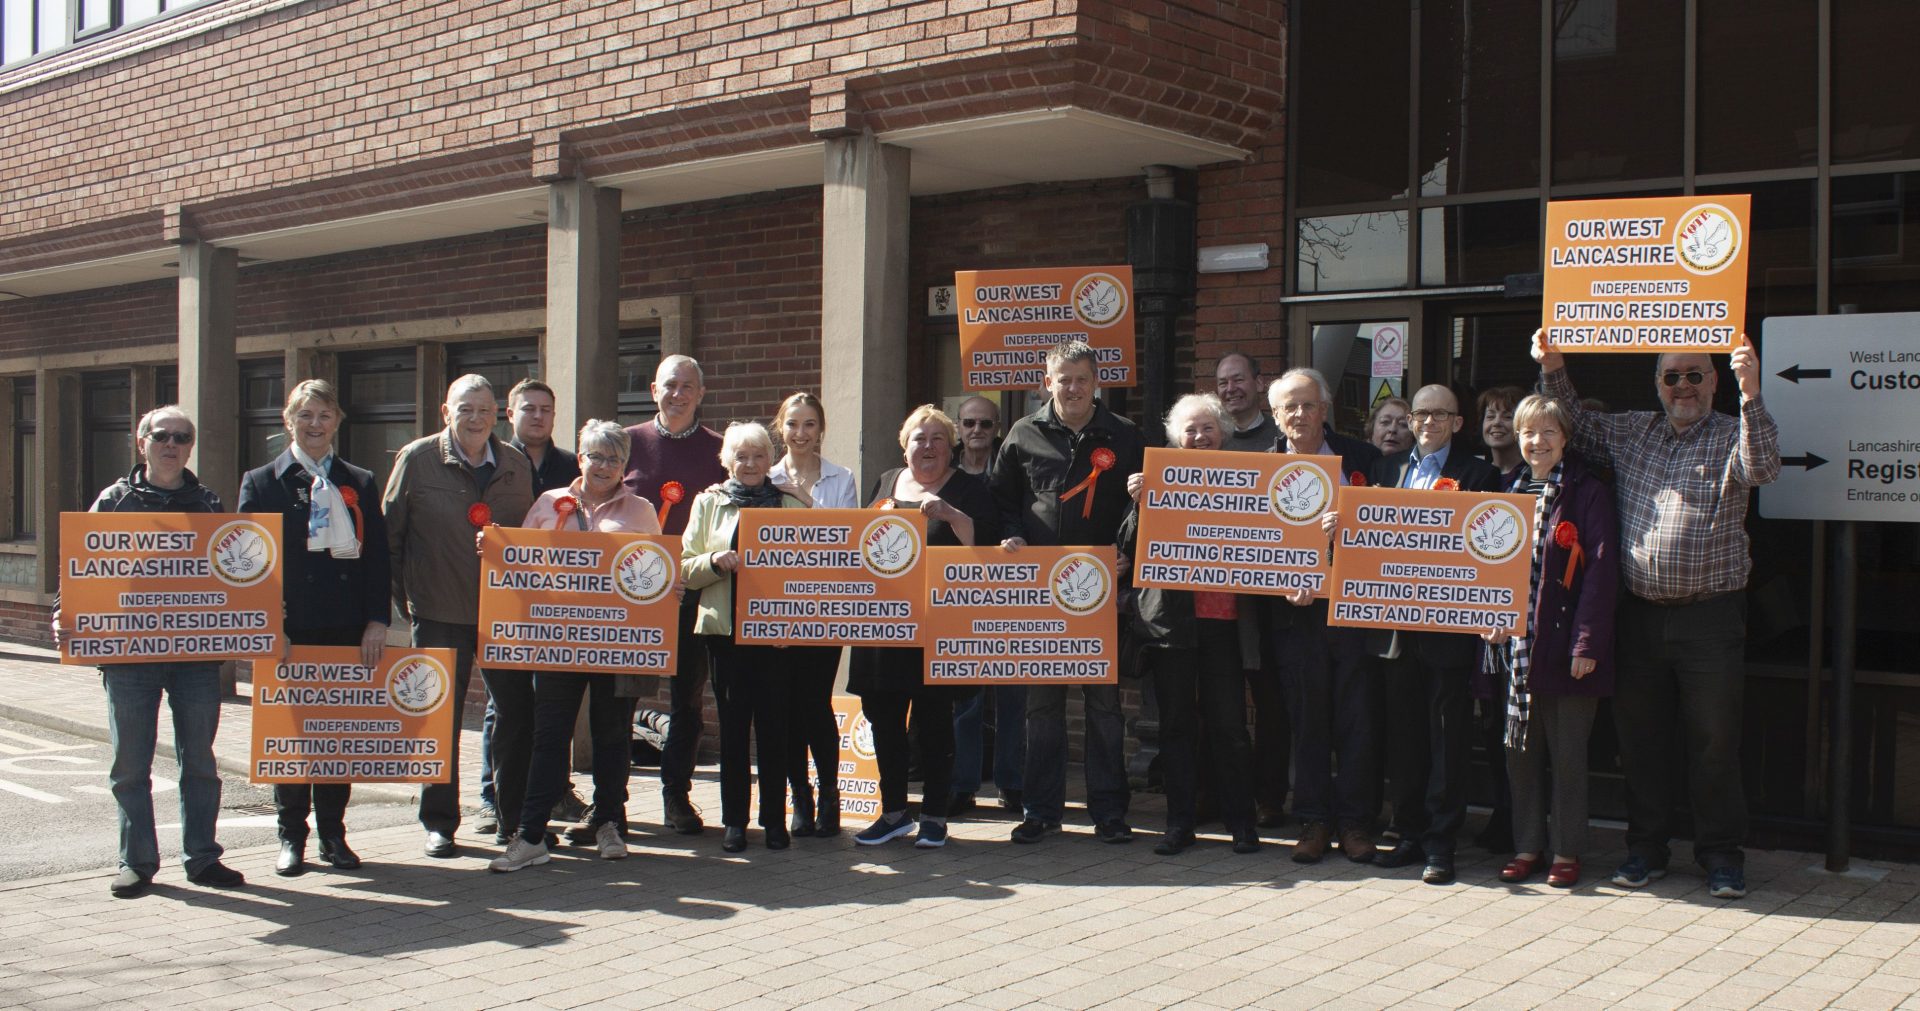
<point x="520" y="853"/>
<point x="607" y="838"/>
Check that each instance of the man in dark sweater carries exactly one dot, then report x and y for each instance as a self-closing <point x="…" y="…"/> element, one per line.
<point x="674" y="458"/>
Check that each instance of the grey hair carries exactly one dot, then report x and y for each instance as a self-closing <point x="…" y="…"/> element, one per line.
<point x="1196" y="403"/>
<point x="740" y="433"/>
<point x="470" y="383"/>
<point x="147" y="420"/>
<point x="673" y="362"/>
<point x="606" y="434"/>
<point x="1069" y="352"/>
<point x="1326" y="392"/>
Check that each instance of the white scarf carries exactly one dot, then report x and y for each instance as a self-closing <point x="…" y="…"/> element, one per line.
<point x="329" y="521"/>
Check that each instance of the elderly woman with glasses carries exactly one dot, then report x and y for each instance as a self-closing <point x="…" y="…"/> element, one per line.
<point x="750" y="682"/>
<point x="595" y="501"/>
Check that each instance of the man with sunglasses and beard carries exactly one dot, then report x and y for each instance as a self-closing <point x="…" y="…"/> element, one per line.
<point x="1684" y="474"/>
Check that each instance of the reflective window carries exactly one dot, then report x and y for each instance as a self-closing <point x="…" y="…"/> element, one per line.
<point x="1479" y="104"/>
<point x="1751" y="120"/>
<point x="106" y="419"/>
<point x="29" y="27"/>
<point x="1349" y="252"/>
<point x="1343" y="352"/>
<point x="1876" y="242"/>
<point x="26" y="459"/>
<point x="503" y="363"/>
<point x="1780" y="260"/>
<point x="1479" y="243"/>
<point x="1875" y="88"/>
<point x="376" y="390"/>
<point x="1349" y="93"/>
<point x="639" y="359"/>
<point x="263" y="392"/>
<point x="1618" y="70"/>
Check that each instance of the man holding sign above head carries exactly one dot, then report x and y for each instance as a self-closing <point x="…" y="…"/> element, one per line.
<point x="1684" y="474"/>
<point x="445" y="489"/>
<point x="1328" y="695"/>
<point x="1062" y="479"/>
<point x="1429" y="709"/>
<point x="671" y="458"/>
<point x="338" y="584"/>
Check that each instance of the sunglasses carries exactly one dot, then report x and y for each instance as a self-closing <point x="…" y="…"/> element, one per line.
<point x="1692" y="378"/>
<point x="976" y="422"/>
<point x="177" y="438"/>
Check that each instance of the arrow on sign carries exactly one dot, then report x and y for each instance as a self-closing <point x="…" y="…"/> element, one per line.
<point x="1809" y="461"/>
<point x="1794" y="373"/>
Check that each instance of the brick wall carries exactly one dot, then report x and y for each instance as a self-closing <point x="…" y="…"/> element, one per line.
<point x="27" y="623"/>
<point x="1238" y="204"/>
<point x="100" y="320"/>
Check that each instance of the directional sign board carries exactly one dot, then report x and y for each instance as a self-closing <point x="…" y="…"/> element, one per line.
<point x="1845" y="391"/>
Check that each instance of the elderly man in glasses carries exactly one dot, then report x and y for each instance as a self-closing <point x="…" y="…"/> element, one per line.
<point x="1684" y="474"/>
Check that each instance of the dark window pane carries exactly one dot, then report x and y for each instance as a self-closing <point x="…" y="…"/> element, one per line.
<point x="1763" y="120"/>
<point x="1875" y="88"/>
<point x="1876" y="242"/>
<point x="1780" y="261"/>
<point x="1617" y="85"/>
<point x="639" y="359"/>
<point x="1343" y="352"/>
<point x="261" y="444"/>
<point x="1349" y="252"/>
<point x="372" y="444"/>
<point x="1350" y="94"/>
<point x="1479" y="243"/>
<point x="166" y="384"/>
<point x="109" y="458"/>
<point x="1479" y="97"/>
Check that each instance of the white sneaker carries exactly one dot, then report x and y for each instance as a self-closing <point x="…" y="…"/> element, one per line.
<point x="520" y="853"/>
<point x="607" y="838"/>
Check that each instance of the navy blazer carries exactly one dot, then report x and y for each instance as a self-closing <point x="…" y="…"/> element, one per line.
<point x="1444" y="650"/>
<point x="323" y="592"/>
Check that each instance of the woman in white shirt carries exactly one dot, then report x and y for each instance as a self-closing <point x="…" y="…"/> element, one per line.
<point x="800" y="424"/>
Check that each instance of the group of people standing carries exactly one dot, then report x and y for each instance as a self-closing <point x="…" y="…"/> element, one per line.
<point x="1343" y="719"/>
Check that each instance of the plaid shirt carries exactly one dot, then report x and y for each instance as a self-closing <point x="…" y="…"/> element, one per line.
<point x="1682" y="495"/>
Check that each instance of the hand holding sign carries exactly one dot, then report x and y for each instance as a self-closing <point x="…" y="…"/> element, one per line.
<point x="1543" y="352"/>
<point x="1746" y="369"/>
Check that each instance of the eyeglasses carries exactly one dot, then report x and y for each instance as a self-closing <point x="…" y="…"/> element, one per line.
<point x="600" y="459"/>
<point x="976" y="422"/>
<point x="1424" y="417"/>
<point x="1306" y="408"/>
<point x="1692" y="378"/>
<point x="177" y="438"/>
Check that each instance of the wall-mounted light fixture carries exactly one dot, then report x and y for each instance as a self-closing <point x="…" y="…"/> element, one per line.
<point x="1231" y="259"/>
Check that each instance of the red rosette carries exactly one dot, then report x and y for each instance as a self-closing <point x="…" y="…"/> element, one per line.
<point x="1103" y="459"/>
<point x="1566" y="535"/>
<point x="566" y="506"/>
<point x="1357" y="479"/>
<point x="351" y="499"/>
<point x="349" y="496"/>
<point x="1446" y="484"/>
<point x="672" y="491"/>
<point x="479" y="514"/>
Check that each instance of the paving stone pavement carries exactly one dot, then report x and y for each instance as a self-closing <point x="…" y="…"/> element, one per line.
<point x="1070" y="923"/>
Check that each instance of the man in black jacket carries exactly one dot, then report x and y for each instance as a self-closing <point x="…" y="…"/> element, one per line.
<point x="1328" y="696"/>
<point x="1061" y="478"/>
<point x="1429" y="709"/>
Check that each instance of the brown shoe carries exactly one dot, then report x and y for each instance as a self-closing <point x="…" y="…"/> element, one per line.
<point x="1357" y="843"/>
<point x="1314" y="838"/>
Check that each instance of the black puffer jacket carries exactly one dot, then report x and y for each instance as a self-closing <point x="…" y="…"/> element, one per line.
<point x="134" y="494"/>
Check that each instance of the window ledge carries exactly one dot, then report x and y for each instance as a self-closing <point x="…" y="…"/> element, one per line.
<point x="19" y="547"/>
<point x="168" y="28"/>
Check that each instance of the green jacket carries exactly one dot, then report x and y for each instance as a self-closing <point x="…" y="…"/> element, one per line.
<point x="710" y="529"/>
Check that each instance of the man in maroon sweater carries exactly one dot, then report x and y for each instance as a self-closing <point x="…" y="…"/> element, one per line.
<point x="674" y="458"/>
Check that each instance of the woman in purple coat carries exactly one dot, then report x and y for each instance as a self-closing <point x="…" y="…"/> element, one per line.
<point x="1559" y="671"/>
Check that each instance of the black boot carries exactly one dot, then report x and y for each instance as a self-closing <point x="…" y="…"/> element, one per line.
<point x="828" y="822"/>
<point x="803" y="823"/>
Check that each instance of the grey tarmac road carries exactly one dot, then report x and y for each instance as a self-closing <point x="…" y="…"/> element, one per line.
<point x="60" y="817"/>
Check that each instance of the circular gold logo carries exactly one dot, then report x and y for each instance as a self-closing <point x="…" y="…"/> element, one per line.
<point x="1080" y="583"/>
<point x="889" y="546"/>
<point x="642" y="572"/>
<point x="861" y="738"/>
<point x="1494" y="531"/>
<point x="1298" y="493"/>
<point x="1100" y="300"/>
<point x="1707" y="238"/>
<point x="418" y="684"/>
<point x="242" y="553"/>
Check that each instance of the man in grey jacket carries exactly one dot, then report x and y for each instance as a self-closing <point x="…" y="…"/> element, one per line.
<point x="445" y="488"/>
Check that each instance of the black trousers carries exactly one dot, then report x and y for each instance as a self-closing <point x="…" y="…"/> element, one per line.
<point x="810" y="723"/>
<point x="440" y="802"/>
<point x="326" y="802"/>
<point x="557" y="697"/>
<point x="1272" y="726"/>
<point x="1200" y="687"/>
<point x="513" y="706"/>
<point x="1430" y="737"/>
<point x="751" y="685"/>
<point x="687" y="692"/>
<point x="932" y="725"/>
<point x="1331" y="701"/>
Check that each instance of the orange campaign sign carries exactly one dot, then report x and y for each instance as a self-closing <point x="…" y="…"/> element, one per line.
<point x="152" y="587"/>
<point x="1647" y="274"/>
<point x="1036" y="616"/>
<point x="1436" y="561"/>
<point x="829" y="577"/>
<point x="859" y="774"/>
<point x="322" y="716"/>
<point x="1010" y="318"/>
<point x="1234" y="522"/>
<point x="577" y="600"/>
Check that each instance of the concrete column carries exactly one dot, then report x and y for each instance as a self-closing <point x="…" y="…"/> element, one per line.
<point x="863" y="304"/>
<point x="57" y="486"/>
<point x="209" y="370"/>
<point x="583" y="304"/>
<point x="302" y="364"/>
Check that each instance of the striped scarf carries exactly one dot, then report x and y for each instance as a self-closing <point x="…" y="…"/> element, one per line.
<point x="1514" y="658"/>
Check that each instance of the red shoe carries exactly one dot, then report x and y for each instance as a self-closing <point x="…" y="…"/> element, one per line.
<point x="1520" y="869"/>
<point x="1564" y="875"/>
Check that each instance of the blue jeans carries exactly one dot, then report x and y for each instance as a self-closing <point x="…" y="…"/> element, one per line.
<point x="133" y="725"/>
<point x="486" y="751"/>
<point x="1009" y="738"/>
<point x="1106" y="760"/>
